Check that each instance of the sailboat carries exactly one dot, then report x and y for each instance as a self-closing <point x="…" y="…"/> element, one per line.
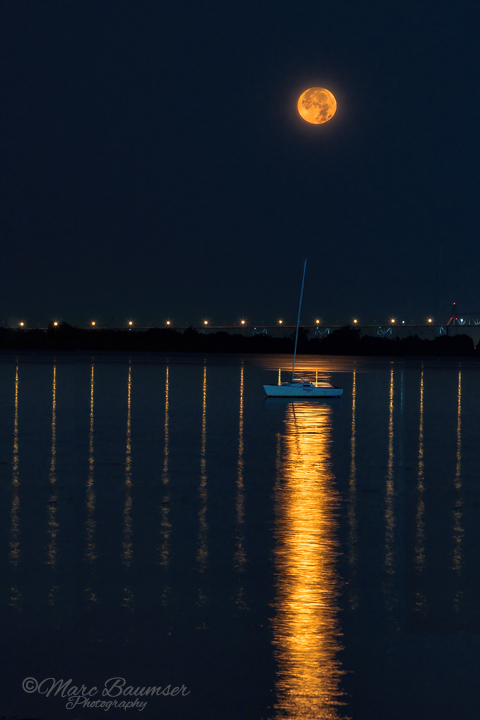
<point x="302" y="388"/>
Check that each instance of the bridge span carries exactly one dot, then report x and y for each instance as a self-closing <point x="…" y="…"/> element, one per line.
<point x="392" y="330"/>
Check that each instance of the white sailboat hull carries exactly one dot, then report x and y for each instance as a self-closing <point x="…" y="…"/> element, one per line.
<point x="302" y="390"/>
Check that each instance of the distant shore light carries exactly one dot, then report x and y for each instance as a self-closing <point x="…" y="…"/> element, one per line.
<point x="280" y="322"/>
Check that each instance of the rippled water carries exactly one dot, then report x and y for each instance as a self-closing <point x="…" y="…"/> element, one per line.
<point x="163" y="523"/>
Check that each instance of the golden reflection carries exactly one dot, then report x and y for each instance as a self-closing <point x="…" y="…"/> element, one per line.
<point x="128" y="451"/>
<point x="127" y="509"/>
<point x="15" y="460"/>
<point x="278" y="464"/>
<point x="202" y="552"/>
<point x="458" y="530"/>
<point x="420" y="534"/>
<point x="166" y="428"/>
<point x="127" y="598"/>
<point x="390" y="494"/>
<point x="15" y="599"/>
<point x="352" y="496"/>
<point x="91" y="597"/>
<point x="14" y="518"/>
<point x="165" y="524"/>
<point x="305" y="627"/>
<point x="420" y="598"/>
<point x="14" y="555"/>
<point x="240" y="558"/>
<point x="91" y="553"/>
<point x="52" y="505"/>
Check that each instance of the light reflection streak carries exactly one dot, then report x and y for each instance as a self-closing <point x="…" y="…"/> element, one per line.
<point x="53" y="525"/>
<point x="165" y="523"/>
<point x="52" y="505"/>
<point x="14" y="518"/>
<point x="14" y="554"/>
<point x="202" y="551"/>
<point x="458" y="530"/>
<point x="240" y="558"/>
<point x="90" y="552"/>
<point x="420" y="516"/>
<point x="352" y="497"/>
<point x="390" y="560"/>
<point x="305" y="627"/>
<point x="127" y="546"/>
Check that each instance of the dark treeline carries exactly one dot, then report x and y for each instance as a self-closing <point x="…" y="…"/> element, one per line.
<point x="343" y="341"/>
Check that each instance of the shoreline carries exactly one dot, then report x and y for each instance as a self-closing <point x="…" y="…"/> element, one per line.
<point x="343" y="341"/>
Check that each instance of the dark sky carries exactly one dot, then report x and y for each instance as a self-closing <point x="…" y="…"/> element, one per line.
<point x="153" y="164"/>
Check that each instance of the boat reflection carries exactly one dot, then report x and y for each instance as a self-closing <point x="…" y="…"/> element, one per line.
<point x="306" y="627"/>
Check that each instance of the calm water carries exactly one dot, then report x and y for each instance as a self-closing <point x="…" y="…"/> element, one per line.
<point x="163" y="523"/>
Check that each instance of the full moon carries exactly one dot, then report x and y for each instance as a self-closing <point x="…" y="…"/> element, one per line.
<point x="317" y="105"/>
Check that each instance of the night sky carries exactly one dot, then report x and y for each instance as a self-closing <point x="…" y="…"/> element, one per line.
<point x="153" y="164"/>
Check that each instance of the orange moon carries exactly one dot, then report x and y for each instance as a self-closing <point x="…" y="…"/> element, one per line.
<point x="317" y="105"/>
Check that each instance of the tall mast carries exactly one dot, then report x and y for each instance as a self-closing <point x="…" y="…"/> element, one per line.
<point x="298" y="319"/>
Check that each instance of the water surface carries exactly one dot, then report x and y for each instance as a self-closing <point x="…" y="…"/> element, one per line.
<point x="163" y="523"/>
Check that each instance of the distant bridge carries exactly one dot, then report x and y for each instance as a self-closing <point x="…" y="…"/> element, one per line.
<point x="466" y="323"/>
<point x="461" y="326"/>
